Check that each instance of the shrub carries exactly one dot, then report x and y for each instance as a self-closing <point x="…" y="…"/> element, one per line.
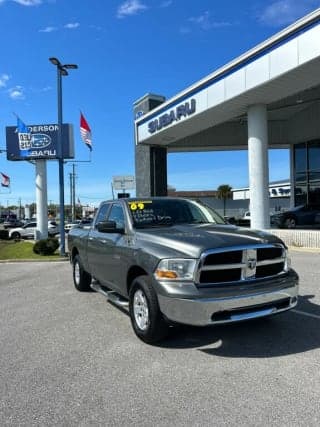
<point x="46" y="246"/>
<point x="4" y="235"/>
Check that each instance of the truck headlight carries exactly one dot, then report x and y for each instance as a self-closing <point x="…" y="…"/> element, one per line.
<point x="175" y="269"/>
<point x="287" y="261"/>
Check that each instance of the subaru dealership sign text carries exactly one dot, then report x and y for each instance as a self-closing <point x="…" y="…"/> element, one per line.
<point x="182" y="110"/>
<point x="40" y="143"/>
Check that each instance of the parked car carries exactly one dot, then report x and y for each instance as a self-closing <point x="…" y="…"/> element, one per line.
<point x="86" y="221"/>
<point x="28" y="230"/>
<point x="244" y="220"/>
<point x="12" y="222"/>
<point x="79" y="222"/>
<point x="300" y="215"/>
<point x="247" y="216"/>
<point x="69" y="225"/>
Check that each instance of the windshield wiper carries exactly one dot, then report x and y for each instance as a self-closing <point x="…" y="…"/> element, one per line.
<point x="195" y="221"/>
<point x="154" y="224"/>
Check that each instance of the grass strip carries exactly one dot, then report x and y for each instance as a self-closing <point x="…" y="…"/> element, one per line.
<point x="23" y="249"/>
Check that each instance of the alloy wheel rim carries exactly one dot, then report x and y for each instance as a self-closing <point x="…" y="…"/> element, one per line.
<point x="141" y="310"/>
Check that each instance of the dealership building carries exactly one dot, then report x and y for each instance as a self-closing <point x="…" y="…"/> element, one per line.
<point x="269" y="97"/>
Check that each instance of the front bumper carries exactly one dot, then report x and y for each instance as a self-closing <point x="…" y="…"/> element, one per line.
<point x="217" y="310"/>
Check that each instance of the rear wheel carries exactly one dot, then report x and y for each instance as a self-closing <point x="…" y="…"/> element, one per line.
<point x="81" y="278"/>
<point x="15" y="235"/>
<point x="146" y="319"/>
<point x="290" y="223"/>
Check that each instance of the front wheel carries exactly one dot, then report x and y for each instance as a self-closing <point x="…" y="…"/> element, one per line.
<point x="15" y="235"/>
<point x="146" y="319"/>
<point x="290" y="223"/>
<point x="81" y="278"/>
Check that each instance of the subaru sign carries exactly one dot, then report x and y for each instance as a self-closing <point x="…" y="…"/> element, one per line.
<point x="40" y="143"/>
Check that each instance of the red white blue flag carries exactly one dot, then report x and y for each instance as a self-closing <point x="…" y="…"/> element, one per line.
<point x="85" y="132"/>
<point x="5" y="180"/>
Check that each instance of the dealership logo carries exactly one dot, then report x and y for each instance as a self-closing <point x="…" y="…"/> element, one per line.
<point x="40" y="140"/>
<point x="139" y="114"/>
<point x="28" y="141"/>
<point x="182" y="110"/>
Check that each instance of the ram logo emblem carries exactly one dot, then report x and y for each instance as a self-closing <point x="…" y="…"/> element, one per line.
<point x="252" y="263"/>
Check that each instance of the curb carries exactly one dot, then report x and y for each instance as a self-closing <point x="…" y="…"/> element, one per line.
<point x="4" y="261"/>
<point x="303" y="249"/>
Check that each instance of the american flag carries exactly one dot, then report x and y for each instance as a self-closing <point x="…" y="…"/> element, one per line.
<point x="85" y="132"/>
<point x="5" y="180"/>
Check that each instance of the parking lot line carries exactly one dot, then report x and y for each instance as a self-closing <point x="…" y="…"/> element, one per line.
<point x="306" y="314"/>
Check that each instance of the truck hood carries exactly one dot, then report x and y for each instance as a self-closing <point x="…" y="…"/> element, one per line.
<point x="192" y="240"/>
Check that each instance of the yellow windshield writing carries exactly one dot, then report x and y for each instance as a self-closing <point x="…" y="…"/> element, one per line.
<point x="138" y="205"/>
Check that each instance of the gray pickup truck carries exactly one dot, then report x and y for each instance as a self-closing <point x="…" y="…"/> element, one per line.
<point x="172" y="260"/>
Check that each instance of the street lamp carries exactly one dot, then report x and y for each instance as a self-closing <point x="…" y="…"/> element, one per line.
<point x="61" y="71"/>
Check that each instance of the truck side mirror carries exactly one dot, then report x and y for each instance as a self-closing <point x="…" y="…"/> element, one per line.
<point x="109" y="227"/>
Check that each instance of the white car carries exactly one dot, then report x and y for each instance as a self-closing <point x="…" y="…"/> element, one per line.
<point x="28" y="230"/>
<point x="78" y="222"/>
<point x="247" y="215"/>
<point x="69" y="225"/>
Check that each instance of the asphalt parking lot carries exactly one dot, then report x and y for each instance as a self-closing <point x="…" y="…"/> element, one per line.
<point x="72" y="359"/>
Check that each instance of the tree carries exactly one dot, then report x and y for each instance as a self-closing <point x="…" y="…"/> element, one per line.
<point x="33" y="209"/>
<point x="224" y="193"/>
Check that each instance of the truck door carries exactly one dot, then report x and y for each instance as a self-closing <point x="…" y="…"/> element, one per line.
<point x="95" y="249"/>
<point x="106" y="250"/>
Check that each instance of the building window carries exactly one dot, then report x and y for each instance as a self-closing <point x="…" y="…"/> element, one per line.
<point x="307" y="173"/>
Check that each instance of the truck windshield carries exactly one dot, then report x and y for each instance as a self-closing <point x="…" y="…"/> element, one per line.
<point x="165" y="212"/>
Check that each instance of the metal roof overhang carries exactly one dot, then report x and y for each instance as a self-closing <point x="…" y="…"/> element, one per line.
<point x="286" y="93"/>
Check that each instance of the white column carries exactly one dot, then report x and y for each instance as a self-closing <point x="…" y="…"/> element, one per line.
<point x="291" y="176"/>
<point x="258" y="166"/>
<point x="41" y="200"/>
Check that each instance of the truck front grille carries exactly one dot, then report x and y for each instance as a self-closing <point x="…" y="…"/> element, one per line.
<point x="238" y="264"/>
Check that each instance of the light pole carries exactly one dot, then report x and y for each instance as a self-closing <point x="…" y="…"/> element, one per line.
<point x="61" y="71"/>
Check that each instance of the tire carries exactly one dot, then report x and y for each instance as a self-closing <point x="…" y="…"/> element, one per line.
<point x="15" y="235"/>
<point x="290" y="223"/>
<point x="146" y="319"/>
<point x="81" y="278"/>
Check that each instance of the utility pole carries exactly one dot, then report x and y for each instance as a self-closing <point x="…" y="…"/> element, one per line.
<point x="19" y="207"/>
<point x="71" y="189"/>
<point x="73" y="192"/>
<point x="72" y="177"/>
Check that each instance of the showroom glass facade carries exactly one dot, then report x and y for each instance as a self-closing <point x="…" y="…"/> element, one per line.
<point x="307" y="173"/>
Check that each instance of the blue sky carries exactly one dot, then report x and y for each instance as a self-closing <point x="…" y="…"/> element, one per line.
<point x="124" y="49"/>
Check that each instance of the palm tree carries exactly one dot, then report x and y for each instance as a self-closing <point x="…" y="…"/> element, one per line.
<point x="224" y="193"/>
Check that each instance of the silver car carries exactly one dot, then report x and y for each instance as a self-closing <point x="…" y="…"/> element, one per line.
<point x="28" y="230"/>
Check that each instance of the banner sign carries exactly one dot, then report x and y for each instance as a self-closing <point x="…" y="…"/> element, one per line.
<point x="40" y="143"/>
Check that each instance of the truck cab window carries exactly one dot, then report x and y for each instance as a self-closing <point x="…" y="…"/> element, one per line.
<point x="103" y="213"/>
<point x="116" y="214"/>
